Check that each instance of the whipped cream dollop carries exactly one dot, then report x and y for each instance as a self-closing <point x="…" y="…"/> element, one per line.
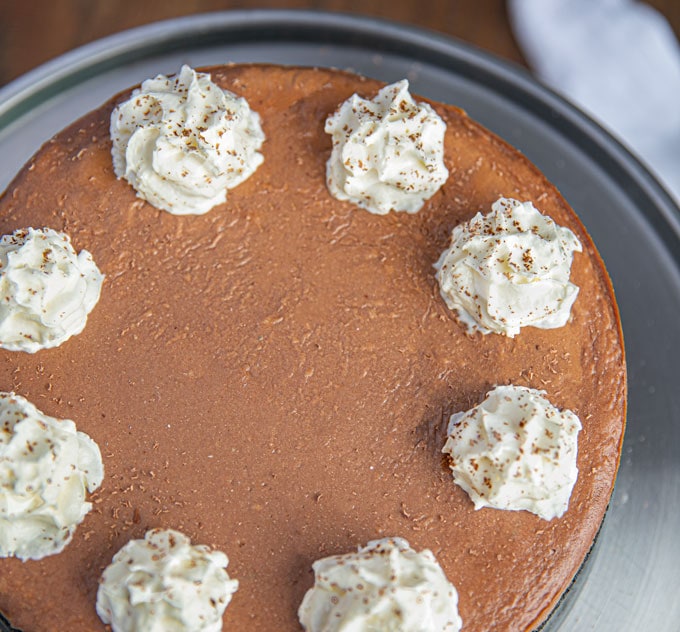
<point x="515" y="451"/>
<point x="388" y="152"/>
<point x="385" y="586"/>
<point x="182" y="141"/>
<point x="46" y="289"/>
<point x="46" y="469"/>
<point x="509" y="269"/>
<point x="163" y="583"/>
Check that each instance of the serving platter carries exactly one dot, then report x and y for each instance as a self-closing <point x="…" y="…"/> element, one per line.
<point x="630" y="581"/>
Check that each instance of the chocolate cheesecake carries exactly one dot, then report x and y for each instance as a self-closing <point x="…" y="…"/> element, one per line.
<point x="274" y="378"/>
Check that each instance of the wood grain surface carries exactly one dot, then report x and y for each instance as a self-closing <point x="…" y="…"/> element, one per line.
<point x="34" y="31"/>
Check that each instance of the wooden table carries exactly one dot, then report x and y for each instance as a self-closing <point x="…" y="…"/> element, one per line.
<point x="34" y="31"/>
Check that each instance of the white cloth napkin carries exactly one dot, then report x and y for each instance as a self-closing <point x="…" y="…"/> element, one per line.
<point x="619" y="61"/>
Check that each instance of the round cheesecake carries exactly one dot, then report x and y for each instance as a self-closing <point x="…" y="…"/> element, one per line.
<point x="274" y="378"/>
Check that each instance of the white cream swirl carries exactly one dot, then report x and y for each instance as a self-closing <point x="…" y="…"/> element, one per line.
<point x="509" y="269"/>
<point x="385" y="586"/>
<point x="388" y="153"/>
<point x="46" y="289"/>
<point x="182" y="141"/>
<point x="46" y="467"/>
<point x="163" y="583"/>
<point x="515" y="451"/>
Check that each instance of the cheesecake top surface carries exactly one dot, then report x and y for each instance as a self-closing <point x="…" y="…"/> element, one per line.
<point x="274" y="378"/>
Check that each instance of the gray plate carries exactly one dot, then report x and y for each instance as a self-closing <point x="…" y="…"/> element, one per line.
<point x="632" y="579"/>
